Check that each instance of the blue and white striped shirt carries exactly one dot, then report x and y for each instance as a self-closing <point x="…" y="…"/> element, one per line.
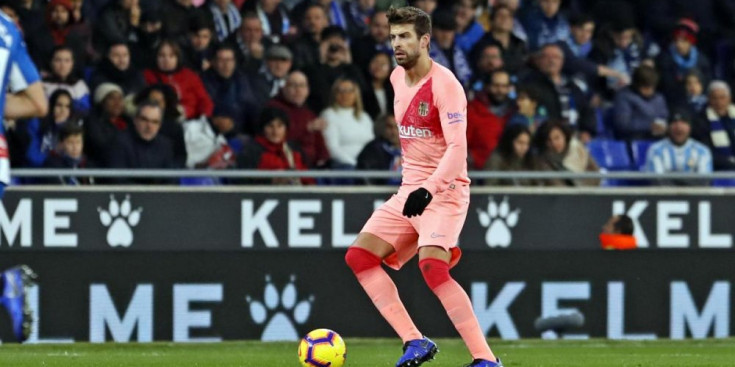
<point x="17" y="72"/>
<point x="664" y="156"/>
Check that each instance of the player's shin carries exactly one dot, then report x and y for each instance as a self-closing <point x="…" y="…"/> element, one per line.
<point x="458" y="306"/>
<point x="382" y="291"/>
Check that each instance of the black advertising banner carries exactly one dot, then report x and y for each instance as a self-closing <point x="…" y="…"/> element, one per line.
<point x="279" y="295"/>
<point x="247" y="220"/>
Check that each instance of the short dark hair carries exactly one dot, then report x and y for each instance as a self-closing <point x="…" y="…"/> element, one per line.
<point x="70" y="129"/>
<point x="411" y="15"/>
<point x="200" y="22"/>
<point x="333" y="31"/>
<point x="497" y="8"/>
<point x="272" y="113"/>
<point x="624" y="225"/>
<point x="644" y="76"/>
<point x="529" y="90"/>
<point x="148" y="104"/>
<point x="580" y="19"/>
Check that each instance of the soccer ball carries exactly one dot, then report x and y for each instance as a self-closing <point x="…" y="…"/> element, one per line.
<point x="322" y="348"/>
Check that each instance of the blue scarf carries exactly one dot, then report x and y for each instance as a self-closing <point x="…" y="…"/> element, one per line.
<point x="683" y="65"/>
<point x="461" y="70"/>
<point x="225" y="28"/>
<point x="578" y="50"/>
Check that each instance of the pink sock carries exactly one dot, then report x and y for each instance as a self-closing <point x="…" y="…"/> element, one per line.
<point x="458" y="307"/>
<point x="381" y="289"/>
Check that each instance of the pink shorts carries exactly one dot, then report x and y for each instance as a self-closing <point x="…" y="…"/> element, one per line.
<point x="439" y="225"/>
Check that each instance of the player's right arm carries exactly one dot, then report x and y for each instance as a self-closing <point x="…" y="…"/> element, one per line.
<point x="26" y="98"/>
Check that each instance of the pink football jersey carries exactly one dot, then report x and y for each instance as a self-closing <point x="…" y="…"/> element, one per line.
<point x="432" y="124"/>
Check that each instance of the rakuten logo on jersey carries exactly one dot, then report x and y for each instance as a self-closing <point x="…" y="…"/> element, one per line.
<point x="413" y="132"/>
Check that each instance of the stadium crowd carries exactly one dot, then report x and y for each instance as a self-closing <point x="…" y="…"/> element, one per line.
<point x="577" y="85"/>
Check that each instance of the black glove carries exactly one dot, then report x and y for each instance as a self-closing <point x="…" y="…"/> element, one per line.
<point x="417" y="202"/>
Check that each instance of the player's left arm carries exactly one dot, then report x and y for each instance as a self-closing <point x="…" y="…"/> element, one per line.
<point x="451" y="102"/>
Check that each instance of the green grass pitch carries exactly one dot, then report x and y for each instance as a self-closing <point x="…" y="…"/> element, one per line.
<point x="376" y="353"/>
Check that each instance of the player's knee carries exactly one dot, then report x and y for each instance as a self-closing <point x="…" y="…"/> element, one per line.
<point x="435" y="272"/>
<point x="359" y="259"/>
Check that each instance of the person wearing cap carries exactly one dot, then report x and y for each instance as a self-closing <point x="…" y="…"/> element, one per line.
<point x="271" y="77"/>
<point x="226" y="85"/>
<point x="444" y="49"/>
<point x="639" y="111"/>
<point x="717" y="127"/>
<point x="106" y="121"/>
<point x="681" y="57"/>
<point x="678" y="152"/>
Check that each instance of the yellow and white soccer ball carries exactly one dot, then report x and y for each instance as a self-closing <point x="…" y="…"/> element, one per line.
<point x="322" y="348"/>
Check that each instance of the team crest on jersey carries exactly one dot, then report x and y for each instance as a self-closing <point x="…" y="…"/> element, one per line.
<point x="423" y="109"/>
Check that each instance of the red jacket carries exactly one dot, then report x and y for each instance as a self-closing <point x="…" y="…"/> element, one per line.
<point x="188" y="86"/>
<point x="311" y="142"/>
<point x="483" y="129"/>
<point x="273" y="157"/>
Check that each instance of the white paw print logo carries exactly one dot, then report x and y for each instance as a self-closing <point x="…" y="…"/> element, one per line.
<point x="499" y="220"/>
<point x="280" y="311"/>
<point x="120" y="218"/>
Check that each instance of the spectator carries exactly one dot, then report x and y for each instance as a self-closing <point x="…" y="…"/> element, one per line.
<point x="640" y="111"/>
<point x="106" y="122"/>
<point x="150" y="36"/>
<point x="445" y="51"/>
<point x="679" y="59"/>
<point x="378" y="40"/>
<point x="718" y="127"/>
<point x="512" y="48"/>
<point x="529" y="113"/>
<point x="336" y="62"/>
<point x="274" y="17"/>
<point x="383" y="152"/>
<point x="560" y="96"/>
<point x="223" y="123"/>
<point x="513" y="154"/>
<point x="335" y="13"/>
<point x="198" y="49"/>
<point x="379" y="95"/>
<point x="272" y="76"/>
<point x="171" y="122"/>
<point x="32" y="23"/>
<point x="577" y="50"/>
<point x="43" y="133"/>
<point x="249" y="43"/>
<point x="306" y="46"/>
<point x="272" y="151"/>
<point x="65" y="30"/>
<point x="358" y="14"/>
<point x="678" y="152"/>
<point x="514" y="6"/>
<point x="622" y="49"/>
<point x="426" y="5"/>
<point x="177" y="14"/>
<point x="116" y="68"/>
<point x="305" y="128"/>
<point x="617" y="233"/>
<point x="487" y="115"/>
<point x="142" y="147"/>
<point x="696" y="98"/>
<point x="70" y="156"/>
<point x="62" y="76"/>
<point x="489" y="59"/>
<point x="117" y="22"/>
<point x="226" y="18"/>
<point x="349" y="128"/>
<point x="469" y="31"/>
<point x="546" y="24"/>
<point x="228" y="86"/>
<point x="560" y="151"/>
<point x="187" y="84"/>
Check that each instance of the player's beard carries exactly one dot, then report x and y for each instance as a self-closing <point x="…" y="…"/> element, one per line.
<point x="410" y="60"/>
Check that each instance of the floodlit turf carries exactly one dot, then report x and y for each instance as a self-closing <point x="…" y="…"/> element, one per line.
<point x="377" y="352"/>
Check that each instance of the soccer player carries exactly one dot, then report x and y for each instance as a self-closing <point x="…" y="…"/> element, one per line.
<point x="26" y="99"/>
<point x="429" y="210"/>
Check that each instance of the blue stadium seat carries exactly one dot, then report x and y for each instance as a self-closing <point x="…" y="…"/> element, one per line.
<point x="610" y="154"/>
<point x="723" y="182"/>
<point x="639" y="149"/>
<point x="199" y="181"/>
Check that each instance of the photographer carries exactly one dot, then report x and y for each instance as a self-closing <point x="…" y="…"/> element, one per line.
<point x="335" y="62"/>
